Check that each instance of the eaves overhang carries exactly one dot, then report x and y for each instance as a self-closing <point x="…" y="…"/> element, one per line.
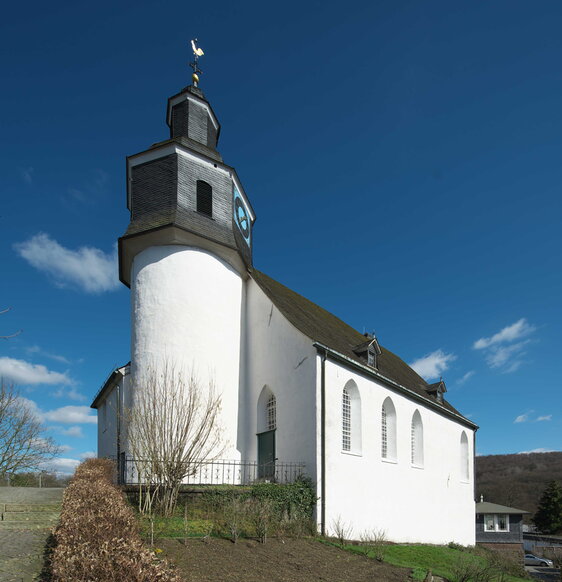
<point x="112" y="379"/>
<point x="368" y="371"/>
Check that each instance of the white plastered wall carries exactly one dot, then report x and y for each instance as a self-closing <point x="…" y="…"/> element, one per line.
<point x="186" y="310"/>
<point x="279" y="356"/>
<point x="111" y="414"/>
<point x="431" y="504"/>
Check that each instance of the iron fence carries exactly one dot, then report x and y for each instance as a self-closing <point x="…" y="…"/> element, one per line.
<point x="219" y="472"/>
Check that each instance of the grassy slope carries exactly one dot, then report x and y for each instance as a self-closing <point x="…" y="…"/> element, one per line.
<point x="441" y="560"/>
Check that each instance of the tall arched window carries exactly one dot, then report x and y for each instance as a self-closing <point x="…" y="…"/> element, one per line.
<point x="271" y="412"/>
<point x="388" y="430"/>
<point x="416" y="438"/>
<point x="267" y="410"/>
<point x="204" y="198"/>
<point x="351" y="418"/>
<point x="464" y="457"/>
<point x="346" y="421"/>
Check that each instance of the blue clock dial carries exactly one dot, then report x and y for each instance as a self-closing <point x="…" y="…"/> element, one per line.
<point x="241" y="216"/>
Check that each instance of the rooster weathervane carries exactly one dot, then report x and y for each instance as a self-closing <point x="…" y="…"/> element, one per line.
<point x="197" y="52"/>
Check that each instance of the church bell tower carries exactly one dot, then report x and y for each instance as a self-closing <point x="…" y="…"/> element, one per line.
<point x="186" y="254"/>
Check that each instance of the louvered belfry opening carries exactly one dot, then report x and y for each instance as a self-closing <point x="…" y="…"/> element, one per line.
<point x="204" y="198"/>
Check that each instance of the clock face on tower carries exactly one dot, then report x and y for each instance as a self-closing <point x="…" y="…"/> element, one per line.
<point x="241" y="216"/>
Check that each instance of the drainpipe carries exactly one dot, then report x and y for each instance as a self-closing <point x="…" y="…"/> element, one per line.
<point x="119" y="468"/>
<point x="323" y="444"/>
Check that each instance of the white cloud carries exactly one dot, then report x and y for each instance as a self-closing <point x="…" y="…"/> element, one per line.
<point x="500" y="351"/>
<point x="65" y="448"/>
<point x="507" y="356"/>
<point x="72" y="431"/>
<point x="22" y="372"/>
<point x="539" y="450"/>
<point x="38" y="350"/>
<point x="522" y="418"/>
<point x="71" y="415"/>
<point x="87" y="268"/>
<point x="70" y="393"/>
<point x="545" y="417"/>
<point x="466" y="377"/>
<point x="510" y="333"/>
<point x="88" y="455"/>
<point x="27" y="174"/>
<point x="433" y="365"/>
<point x="61" y="465"/>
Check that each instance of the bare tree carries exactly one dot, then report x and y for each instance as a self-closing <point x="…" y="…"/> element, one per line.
<point x="12" y="334"/>
<point x="173" y="428"/>
<point x="23" y="446"/>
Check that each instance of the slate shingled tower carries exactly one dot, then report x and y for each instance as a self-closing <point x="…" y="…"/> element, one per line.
<point x="187" y="251"/>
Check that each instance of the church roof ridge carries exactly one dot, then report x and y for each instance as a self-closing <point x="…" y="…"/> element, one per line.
<point x="327" y="329"/>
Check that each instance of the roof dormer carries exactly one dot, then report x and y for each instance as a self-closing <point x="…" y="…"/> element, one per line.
<point x="369" y="350"/>
<point x="437" y="389"/>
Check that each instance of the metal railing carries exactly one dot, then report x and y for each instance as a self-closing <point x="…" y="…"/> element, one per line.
<point x="219" y="472"/>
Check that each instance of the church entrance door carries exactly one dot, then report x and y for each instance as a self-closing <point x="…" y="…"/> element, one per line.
<point x="266" y="455"/>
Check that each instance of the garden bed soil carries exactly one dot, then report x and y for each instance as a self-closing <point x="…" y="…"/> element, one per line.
<point x="292" y="560"/>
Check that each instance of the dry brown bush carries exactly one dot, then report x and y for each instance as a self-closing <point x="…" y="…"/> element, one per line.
<point x="97" y="538"/>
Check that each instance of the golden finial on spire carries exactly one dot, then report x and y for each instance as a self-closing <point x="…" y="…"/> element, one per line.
<point x="197" y="52"/>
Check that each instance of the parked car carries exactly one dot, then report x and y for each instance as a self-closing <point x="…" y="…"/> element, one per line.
<point x="532" y="560"/>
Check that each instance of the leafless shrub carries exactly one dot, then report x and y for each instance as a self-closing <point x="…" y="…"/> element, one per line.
<point x="97" y="537"/>
<point x="376" y="540"/>
<point x="467" y="570"/>
<point x="262" y="515"/>
<point x="235" y="513"/>
<point x="342" y="530"/>
<point x="173" y="429"/>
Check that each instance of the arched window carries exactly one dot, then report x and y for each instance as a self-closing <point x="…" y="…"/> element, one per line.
<point x="271" y="412"/>
<point x="464" y="457"/>
<point x="346" y="421"/>
<point x="416" y="439"/>
<point x="204" y="198"/>
<point x="388" y="430"/>
<point x="351" y="418"/>
<point x="267" y="411"/>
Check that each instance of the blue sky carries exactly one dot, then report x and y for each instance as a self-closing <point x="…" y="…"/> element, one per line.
<point x="403" y="159"/>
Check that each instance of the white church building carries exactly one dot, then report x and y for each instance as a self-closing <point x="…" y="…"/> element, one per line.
<point x="384" y="447"/>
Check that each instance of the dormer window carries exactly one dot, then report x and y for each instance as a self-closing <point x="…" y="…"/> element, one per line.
<point x="204" y="198"/>
<point x="437" y="390"/>
<point x="369" y="351"/>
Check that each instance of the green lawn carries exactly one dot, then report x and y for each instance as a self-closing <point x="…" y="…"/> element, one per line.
<point x="176" y="527"/>
<point x="441" y="560"/>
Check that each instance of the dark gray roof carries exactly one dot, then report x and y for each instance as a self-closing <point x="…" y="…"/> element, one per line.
<point x="327" y="329"/>
<point x="487" y="507"/>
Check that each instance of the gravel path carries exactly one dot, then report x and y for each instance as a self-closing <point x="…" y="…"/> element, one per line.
<point x="22" y="542"/>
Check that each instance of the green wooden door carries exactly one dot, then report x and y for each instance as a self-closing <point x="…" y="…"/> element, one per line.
<point x="266" y="455"/>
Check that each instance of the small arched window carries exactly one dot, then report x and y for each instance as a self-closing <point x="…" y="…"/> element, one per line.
<point x="204" y="198"/>
<point x="351" y="418"/>
<point x="388" y="430"/>
<point x="464" y="457"/>
<point x="416" y="438"/>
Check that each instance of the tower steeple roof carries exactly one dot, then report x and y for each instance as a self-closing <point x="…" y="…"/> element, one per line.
<point x="190" y="115"/>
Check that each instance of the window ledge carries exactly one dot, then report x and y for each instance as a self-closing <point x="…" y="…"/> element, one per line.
<point x="465" y="482"/>
<point x="210" y="217"/>
<point x="417" y="466"/>
<point x="351" y="453"/>
<point x="390" y="461"/>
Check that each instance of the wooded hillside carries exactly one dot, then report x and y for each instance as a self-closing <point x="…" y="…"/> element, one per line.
<point x="517" y="480"/>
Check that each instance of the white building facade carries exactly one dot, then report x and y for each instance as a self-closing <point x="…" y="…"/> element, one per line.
<point x="384" y="448"/>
